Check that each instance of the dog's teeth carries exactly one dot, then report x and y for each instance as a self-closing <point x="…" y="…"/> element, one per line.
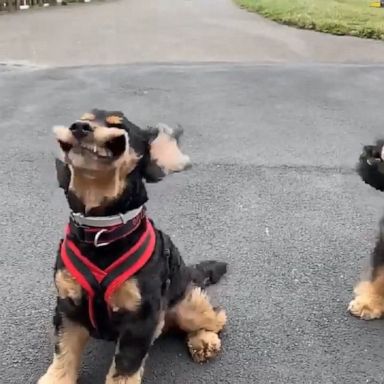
<point x="87" y="146"/>
<point x="102" y="152"/>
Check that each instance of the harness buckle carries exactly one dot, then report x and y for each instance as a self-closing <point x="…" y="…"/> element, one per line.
<point x="97" y="236"/>
<point x="75" y="216"/>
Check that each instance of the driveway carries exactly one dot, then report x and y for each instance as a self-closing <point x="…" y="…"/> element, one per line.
<point x="272" y="192"/>
<point x="274" y="132"/>
<point x="134" y="31"/>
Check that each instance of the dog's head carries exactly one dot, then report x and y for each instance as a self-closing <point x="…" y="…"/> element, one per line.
<point x="106" y="158"/>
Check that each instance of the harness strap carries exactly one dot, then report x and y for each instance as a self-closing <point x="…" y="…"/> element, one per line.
<point x="101" y="284"/>
<point x="129" y="263"/>
<point x="82" y="273"/>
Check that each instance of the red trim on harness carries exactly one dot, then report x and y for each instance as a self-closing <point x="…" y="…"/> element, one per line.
<point x="136" y="267"/>
<point x="81" y="280"/>
<point x="73" y="270"/>
<point x="98" y="273"/>
<point x="79" y="269"/>
<point x="125" y="255"/>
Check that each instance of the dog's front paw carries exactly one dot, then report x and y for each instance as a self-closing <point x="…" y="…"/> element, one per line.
<point x="203" y="345"/>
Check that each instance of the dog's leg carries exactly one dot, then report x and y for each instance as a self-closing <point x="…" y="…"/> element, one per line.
<point x="368" y="303"/>
<point x="114" y="377"/>
<point x="132" y="349"/>
<point x="70" y="343"/>
<point x="196" y="316"/>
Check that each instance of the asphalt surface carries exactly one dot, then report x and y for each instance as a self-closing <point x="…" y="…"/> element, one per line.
<point x="132" y="31"/>
<point x="272" y="192"/>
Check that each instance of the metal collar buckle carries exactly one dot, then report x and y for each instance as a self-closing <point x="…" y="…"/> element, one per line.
<point x="97" y="236"/>
<point x="75" y="216"/>
<point x="106" y="221"/>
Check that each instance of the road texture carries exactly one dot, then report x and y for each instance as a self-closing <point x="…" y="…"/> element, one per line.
<point x="272" y="192"/>
<point x="132" y="31"/>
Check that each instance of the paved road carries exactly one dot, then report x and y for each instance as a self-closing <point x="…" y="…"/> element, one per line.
<point x="272" y="192"/>
<point x="132" y="31"/>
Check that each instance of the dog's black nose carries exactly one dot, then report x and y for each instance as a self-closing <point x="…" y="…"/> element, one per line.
<point x="80" y="129"/>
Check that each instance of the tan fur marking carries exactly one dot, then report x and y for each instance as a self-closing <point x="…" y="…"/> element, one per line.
<point x="167" y="154"/>
<point x="203" y="345"/>
<point x="134" y="379"/>
<point x="65" y="366"/>
<point x="67" y="286"/>
<point x="63" y="134"/>
<point x="126" y="297"/>
<point x="368" y="303"/>
<point x="103" y="134"/>
<point x="196" y="316"/>
<point x="114" y="120"/>
<point x="195" y="312"/>
<point x="88" y="116"/>
<point x="94" y="188"/>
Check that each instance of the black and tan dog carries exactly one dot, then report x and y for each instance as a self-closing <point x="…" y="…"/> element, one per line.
<point x="118" y="277"/>
<point x="368" y="303"/>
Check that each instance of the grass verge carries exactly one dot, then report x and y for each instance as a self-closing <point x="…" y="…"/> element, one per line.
<point x="339" y="17"/>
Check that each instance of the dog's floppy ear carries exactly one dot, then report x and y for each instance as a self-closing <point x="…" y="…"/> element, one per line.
<point x="165" y="155"/>
<point x="63" y="174"/>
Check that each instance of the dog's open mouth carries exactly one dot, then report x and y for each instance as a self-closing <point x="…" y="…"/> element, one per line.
<point x="109" y="150"/>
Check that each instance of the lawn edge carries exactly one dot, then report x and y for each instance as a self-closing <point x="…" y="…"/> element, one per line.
<point x="337" y="30"/>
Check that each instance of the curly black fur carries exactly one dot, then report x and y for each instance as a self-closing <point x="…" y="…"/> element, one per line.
<point x="162" y="282"/>
<point x="371" y="169"/>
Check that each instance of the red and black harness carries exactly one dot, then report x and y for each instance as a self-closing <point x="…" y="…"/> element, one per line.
<point x="100" y="284"/>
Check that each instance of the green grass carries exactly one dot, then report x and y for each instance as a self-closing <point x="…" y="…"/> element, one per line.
<point x="339" y="17"/>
